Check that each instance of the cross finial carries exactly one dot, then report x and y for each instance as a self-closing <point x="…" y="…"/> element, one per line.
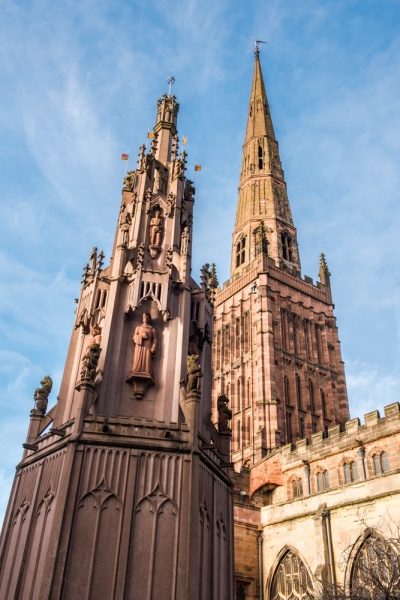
<point x="257" y="49"/>
<point x="171" y="81"/>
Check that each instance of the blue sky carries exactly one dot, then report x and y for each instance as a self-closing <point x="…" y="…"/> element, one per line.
<point x="80" y="82"/>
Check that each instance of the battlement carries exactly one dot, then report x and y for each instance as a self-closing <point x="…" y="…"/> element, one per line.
<point x="341" y="438"/>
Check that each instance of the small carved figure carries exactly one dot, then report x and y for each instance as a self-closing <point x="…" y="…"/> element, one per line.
<point x="90" y="362"/>
<point x="41" y="394"/>
<point x="93" y="260"/>
<point x="126" y="222"/>
<point x="156" y="227"/>
<point x="193" y="373"/>
<point x="168" y="257"/>
<point x="224" y="413"/>
<point x="145" y="339"/>
<point x="95" y="331"/>
<point x="140" y="255"/>
<point x="159" y="181"/>
<point x="185" y="239"/>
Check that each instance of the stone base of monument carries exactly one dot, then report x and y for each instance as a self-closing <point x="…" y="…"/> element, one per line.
<point x="140" y="382"/>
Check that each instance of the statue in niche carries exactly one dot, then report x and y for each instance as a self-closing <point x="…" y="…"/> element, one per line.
<point x="185" y="239"/>
<point x="92" y="354"/>
<point x="126" y="222"/>
<point x="41" y="394"/>
<point x="93" y="260"/>
<point x="145" y="339"/>
<point x="224" y="413"/>
<point x="156" y="229"/>
<point x="193" y="373"/>
<point x="159" y="181"/>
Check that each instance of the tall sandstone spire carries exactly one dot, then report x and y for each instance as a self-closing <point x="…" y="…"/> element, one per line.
<point x="262" y="190"/>
<point x="123" y="490"/>
<point x="277" y="353"/>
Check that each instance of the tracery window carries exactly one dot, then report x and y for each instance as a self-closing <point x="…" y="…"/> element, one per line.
<point x="375" y="572"/>
<point x="291" y="580"/>
<point x="381" y="463"/>
<point x="350" y="472"/>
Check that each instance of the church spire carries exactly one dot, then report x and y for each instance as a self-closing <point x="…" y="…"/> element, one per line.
<point x="262" y="190"/>
<point x="259" y="121"/>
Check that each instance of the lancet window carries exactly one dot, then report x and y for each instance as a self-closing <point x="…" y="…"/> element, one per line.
<point x="260" y="157"/>
<point x="240" y="252"/>
<point x="286" y="389"/>
<point x="322" y="480"/>
<point x="311" y="394"/>
<point x="291" y="579"/>
<point x="381" y="463"/>
<point x="350" y="472"/>
<point x="287" y="246"/>
<point x="298" y="390"/>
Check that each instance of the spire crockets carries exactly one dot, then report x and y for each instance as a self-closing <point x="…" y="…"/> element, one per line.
<point x="262" y="190"/>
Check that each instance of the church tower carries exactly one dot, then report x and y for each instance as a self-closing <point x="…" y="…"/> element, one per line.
<point x="123" y="490"/>
<point x="277" y="353"/>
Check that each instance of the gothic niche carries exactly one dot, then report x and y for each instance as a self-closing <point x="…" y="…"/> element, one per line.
<point x="155" y="234"/>
<point x="145" y="340"/>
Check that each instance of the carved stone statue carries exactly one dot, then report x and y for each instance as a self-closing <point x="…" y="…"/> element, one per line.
<point x="41" y="394"/>
<point x="156" y="227"/>
<point x="185" y="238"/>
<point x="224" y="413"/>
<point x="95" y="331"/>
<point x="92" y="354"/>
<point x="90" y="362"/>
<point x="193" y="373"/>
<point x="126" y="222"/>
<point x="145" y="339"/>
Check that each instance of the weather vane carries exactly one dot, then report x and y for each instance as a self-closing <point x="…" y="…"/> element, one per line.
<point x="257" y="49"/>
<point x="171" y="81"/>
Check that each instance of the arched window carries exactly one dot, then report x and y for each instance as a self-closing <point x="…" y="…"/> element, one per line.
<point x="248" y="430"/>
<point x="297" y="488"/>
<point x="239" y="396"/>
<point x="323" y="403"/>
<point x="375" y="572"/>
<point x="286" y="389"/>
<point x="322" y="480"/>
<point x="301" y="428"/>
<point x="288" y="428"/>
<point x="381" y="463"/>
<point x="311" y="394"/>
<point x="239" y="434"/>
<point x="227" y="339"/>
<point x="240" y="252"/>
<point x="218" y="350"/>
<point x="350" y="472"/>
<point x="287" y="250"/>
<point x="291" y="579"/>
<point x="298" y="390"/>
<point x="246" y="332"/>
<point x="237" y="338"/>
<point x="260" y="157"/>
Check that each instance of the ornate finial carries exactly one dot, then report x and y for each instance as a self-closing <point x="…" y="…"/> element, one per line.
<point x="213" y="280"/>
<point x="205" y="276"/>
<point x="85" y="274"/>
<point x="100" y="261"/>
<point x="171" y="81"/>
<point x="262" y="239"/>
<point x="257" y="49"/>
<point x="324" y="272"/>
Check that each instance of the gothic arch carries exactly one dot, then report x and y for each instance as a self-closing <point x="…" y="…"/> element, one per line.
<point x="373" y="563"/>
<point x="289" y="577"/>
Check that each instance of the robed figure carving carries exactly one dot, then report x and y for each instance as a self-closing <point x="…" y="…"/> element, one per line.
<point x="145" y="346"/>
<point x="156" y="230"/>
<point x="145" y="339"/>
